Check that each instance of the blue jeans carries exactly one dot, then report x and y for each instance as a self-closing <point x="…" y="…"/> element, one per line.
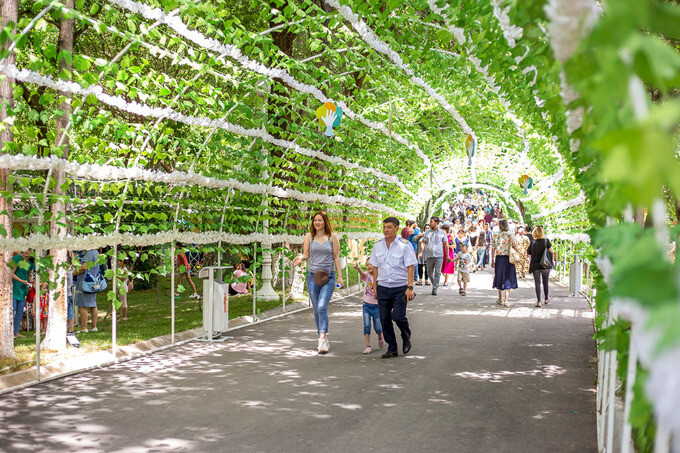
<point x="371" y="311"/>
<point x="393" y="308"/>
<point x="69" y="307"/>
<point x="18" y="307"/>
<point x="480" y="257"/>
<point x="320" y="296"/>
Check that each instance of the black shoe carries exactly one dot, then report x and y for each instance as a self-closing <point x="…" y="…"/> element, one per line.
<point x="434" y="293"/>
<point x="407" y="346"/>
<point x="389" y="354"/>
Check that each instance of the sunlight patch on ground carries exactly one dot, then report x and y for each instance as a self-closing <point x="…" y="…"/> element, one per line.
<point x="547" y="371"/>
<point x="350" y="407"/>
<point x="521" y="312"/>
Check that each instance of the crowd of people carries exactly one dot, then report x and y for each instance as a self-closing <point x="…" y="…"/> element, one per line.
<point x="472" y="234"/>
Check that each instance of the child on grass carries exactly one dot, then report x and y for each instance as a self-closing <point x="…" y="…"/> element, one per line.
<point x="464" y="261"/>
<point x="370" y="308"/>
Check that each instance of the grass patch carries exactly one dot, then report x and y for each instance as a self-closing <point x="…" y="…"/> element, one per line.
<point x="148" y="317"/>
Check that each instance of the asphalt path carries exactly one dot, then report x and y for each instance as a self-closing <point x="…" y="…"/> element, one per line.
<point x="480" y="378"/>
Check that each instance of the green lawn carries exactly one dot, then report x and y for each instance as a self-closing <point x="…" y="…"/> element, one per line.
<point x="148" y="317"/>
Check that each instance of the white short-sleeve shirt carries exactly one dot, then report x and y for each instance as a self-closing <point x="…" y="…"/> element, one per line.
<point x="393" y="263"/>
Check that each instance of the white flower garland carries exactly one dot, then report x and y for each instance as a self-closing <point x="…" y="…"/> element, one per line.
<point x="569" y="22"/>
<point x="95" y="241"/>
<point x="562" y="206"/>
<point x="380" y="46"/>
<point x="109" y="172"/>
<point x="235" y="53"/>
<point x="572" y="237"/>
<point x="33" y="77"/>
<point x="510" y="32"/>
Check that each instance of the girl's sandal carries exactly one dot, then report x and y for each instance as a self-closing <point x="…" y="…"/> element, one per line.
<point x="546" y="301"/>
<point x="538" y="305"/>
<point x="499" y="301"/>
<point x="506" y="304"/>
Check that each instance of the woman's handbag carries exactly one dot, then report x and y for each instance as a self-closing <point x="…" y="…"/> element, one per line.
<point x="94" y="283"/>
<point x="321" y="278"/>
<point x="546" y="263"/>
<point x="515" y="257"/>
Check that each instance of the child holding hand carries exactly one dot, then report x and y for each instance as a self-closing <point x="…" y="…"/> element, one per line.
<point x="370" y="307"/>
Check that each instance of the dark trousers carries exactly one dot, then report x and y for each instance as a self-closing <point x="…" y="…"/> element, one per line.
<point x="538" y="274"/>
<point x="393" y="308"/>
<point x="422" y="271"/>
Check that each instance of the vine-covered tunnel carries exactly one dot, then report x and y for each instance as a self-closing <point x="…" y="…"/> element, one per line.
<point x="147" y="128"/>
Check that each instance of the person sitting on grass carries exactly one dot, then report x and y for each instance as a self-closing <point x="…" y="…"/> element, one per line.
<point x="370" y="308"/>
<point x="464" y="260"/>
<point x="239" y="287"/>
<point x="181" y="260"/>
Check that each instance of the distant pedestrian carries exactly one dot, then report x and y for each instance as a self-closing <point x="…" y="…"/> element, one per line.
<point x="322" y="248"/>
<point x="505" y="277"/>
<point x="522" y="244"/>
<point x="540" y="272"/>
<point x="21" y="265"/>
<point x="393" y="260"/>
<point x="448" y="268"/>
<point x="434" y="254"/>
<point x="481" y="249"/>
<point x="421" y="277"/>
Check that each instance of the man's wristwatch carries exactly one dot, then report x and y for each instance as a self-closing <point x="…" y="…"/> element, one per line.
<point x="410" y="287"/>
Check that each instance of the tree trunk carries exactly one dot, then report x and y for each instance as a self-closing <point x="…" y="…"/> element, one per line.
<point x="55" y="339"/>
<point x="9" y="11"/>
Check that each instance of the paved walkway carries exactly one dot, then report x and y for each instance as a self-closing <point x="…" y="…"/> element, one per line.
<point x="480" y="378"/>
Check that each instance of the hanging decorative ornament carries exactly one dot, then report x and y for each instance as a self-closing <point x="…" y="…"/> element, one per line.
<point x="471" y="148"/>
<point x="525" y="182"/>
<point x="329" y="117"/>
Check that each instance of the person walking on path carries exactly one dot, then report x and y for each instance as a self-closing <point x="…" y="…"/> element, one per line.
<point x="505" y="277"/>
<point x="522" y="243"/>
<point x="370" y="309"/>
<point x="465" y="262"/>
<point x="414" y="232"/>
<point x="434" y="254"/>
<point x="322" y="248"/>
<point x="421" y="277"/>
<point x="536" y="249"/>
<point x="21" y="267"/>
<point x="393" y="262"/>
<point x="481" y="249"/>
<point x="448" y="268"/>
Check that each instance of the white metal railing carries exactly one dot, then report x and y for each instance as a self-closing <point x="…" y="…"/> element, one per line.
<point x="610" y="434"/>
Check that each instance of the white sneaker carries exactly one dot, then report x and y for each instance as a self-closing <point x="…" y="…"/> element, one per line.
<point x="324" y="345"/>
<point x="94" y="329"/>
<point x="195" y="296"/>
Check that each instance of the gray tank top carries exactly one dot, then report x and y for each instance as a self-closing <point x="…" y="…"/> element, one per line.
<point x="321" y="256"/>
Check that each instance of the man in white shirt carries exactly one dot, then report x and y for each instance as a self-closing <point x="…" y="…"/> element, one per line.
<point x="393" y="261"/>
<point x="436" y="243"/>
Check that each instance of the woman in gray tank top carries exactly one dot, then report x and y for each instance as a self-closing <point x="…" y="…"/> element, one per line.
<point x="321" y="248"/>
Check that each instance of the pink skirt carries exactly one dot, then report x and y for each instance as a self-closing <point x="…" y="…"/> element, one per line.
<point x="450" y="267"/>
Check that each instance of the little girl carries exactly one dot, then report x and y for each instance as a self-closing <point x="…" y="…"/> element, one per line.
<point x="370" y="308"/>
<point x="44" y="303"/>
